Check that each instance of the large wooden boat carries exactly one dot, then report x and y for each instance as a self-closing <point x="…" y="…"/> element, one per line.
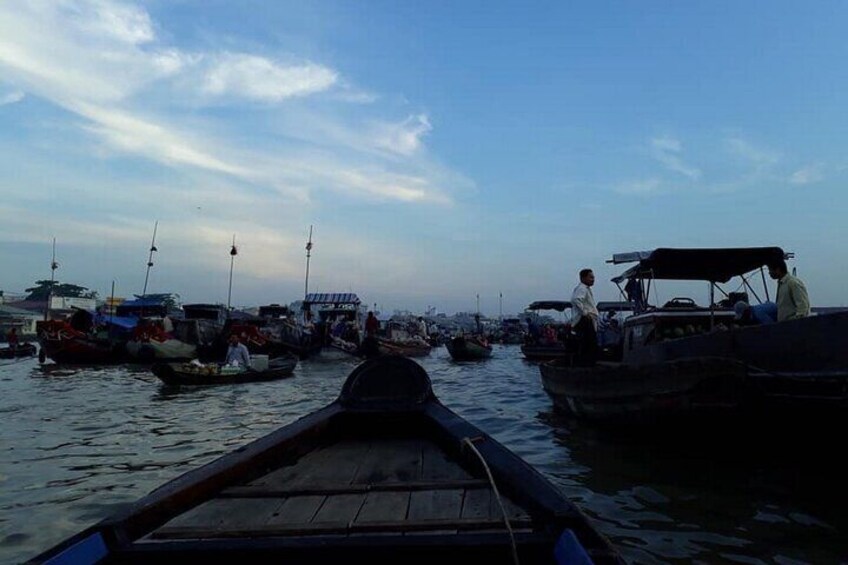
<point x="468" y="348"/>
<point x="802" y="363"/>
<point x="189" y="374"/>
<point x="64" y="342"/>
<point x="386" y="474"/>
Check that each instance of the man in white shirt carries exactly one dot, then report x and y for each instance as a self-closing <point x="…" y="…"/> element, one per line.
<point x="584" y="319"/>
<point x="237" y="353"/>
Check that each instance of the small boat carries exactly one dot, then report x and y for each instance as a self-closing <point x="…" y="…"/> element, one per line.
<point x="616" y="390"/>
<point x="214" y="374"/>
<point x="405" y="348"/>
<point x="385" y="474"/>
<point x="469" y="348"/>
<point x="23" y="350"/>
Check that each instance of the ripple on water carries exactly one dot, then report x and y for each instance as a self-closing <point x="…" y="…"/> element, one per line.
<point x="79" y="443"/>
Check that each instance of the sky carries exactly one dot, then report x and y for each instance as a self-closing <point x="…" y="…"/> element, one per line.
<point x="440" y="150"/>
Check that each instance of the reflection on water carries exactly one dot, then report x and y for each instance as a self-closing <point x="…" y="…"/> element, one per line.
<point x="79" y="443"/>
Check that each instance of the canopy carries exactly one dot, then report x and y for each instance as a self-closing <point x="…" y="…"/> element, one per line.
<point x="332" y="298"/>
<point x="716" y="265"/>
<point x="558" y="305"/>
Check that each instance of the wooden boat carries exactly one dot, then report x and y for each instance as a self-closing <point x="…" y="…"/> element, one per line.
<point x="546" y="352"/>
<point x="468" y="348"/>
<point x="22" y="350"/>
<point x="385" y="474"/>
<point x="407" y="348"/>
<point x="801" y="362"/>
<point x="64" y="343"/>
<point x="616" y="390"/>
<point x="191" y="374"/>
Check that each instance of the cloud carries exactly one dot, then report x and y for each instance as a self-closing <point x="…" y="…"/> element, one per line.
<point x="106" y="62"/>
<point x="641" y="187"/>
<point x="808" y="175"/>
<point x="761" y="158"/>
<point x="259" y="78"/>
<point x="667" y="151"/>
<point x="11" y="97"/>
<point x="403" y="138"/>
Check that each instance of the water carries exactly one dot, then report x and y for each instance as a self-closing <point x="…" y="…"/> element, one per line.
<point x="77" y="444"/>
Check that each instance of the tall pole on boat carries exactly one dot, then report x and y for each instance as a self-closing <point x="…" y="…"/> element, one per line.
<point x="150" y="258"/>
<point x="111" y="308"/>
<point x="53" y="266"/>
<point x="233" y="253"/>
<point x="478" y="303"/>
<point x="500" y="306"/>
<point x="308" y="255"/>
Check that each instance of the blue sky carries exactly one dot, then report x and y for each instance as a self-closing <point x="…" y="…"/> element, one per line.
<point x="440" y="149"/>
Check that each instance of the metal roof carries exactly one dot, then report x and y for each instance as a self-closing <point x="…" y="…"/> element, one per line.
<point x="332" y="298"/>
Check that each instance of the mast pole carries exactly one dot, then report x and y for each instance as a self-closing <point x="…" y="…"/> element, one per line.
<point x="53" y="266"/>
<point x="233" y="253"/>
<point x="500" y="306"/>
<point x="150" y="258"/>
<point x="308" y="255"/>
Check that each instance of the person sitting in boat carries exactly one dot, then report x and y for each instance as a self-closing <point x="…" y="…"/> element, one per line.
<point x="758" y="314"/>
<point x="12" y="339"/>
<point x="338" y="328"/>
<point x="584" y="319"/>
<point x="792" y="299"/>
<point x="237" y="353"/>
<point x="549" y="336"/>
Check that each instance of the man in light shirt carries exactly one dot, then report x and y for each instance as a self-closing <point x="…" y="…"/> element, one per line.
<point x="584" y="319"/>
<point x="792" y="299"/>
<point x="237" y="353"/>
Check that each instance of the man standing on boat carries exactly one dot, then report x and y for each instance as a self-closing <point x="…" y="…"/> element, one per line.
<point x="584" y="319"/>
<point x="792" y="299"/>
<point x="237" y="353"/>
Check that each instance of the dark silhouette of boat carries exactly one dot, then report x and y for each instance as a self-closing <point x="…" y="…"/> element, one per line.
<point x="188" y="374"/>
<point x="385" y="474"/>
<point x="468" y="348"/>
<point x="22" y="350"/>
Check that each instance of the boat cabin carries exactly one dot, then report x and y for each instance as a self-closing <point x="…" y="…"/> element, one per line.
<point x="682" y="317"/>
<point x="148" y="306"/>
<point x="327" y="307"/>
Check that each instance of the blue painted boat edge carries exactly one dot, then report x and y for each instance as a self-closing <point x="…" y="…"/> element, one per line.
<point x="569" y="550"/>
<point x="88" y="550"/>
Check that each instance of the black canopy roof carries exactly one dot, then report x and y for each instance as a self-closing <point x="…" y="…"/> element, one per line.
<point x="716" y="265"/>
<point x="558" y="305"/>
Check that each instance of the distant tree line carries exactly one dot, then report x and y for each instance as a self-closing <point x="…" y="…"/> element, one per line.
<point x="42" y="290"/>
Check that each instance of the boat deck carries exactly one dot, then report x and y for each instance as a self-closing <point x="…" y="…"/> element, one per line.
<point x="400" y="487"/>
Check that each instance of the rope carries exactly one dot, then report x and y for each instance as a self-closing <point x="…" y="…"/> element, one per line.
<point x="469" y="442"/>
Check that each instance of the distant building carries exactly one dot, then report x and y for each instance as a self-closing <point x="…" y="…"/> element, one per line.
<point x="22" y="320"/>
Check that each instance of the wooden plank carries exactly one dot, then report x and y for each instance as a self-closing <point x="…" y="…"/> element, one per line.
<point x="395" y="460"/>
<point x="339" y="508"/>
<point x="337" y="462"/>
<point x="227" y="513"/>
<point x="335" y="488"/>
<point x="443" y="505"/>
<point x="297" y="510"/>
<point x="435" y="505"/>
<point x="384" y="507"/>
<point x="477" y="504"/>
<point x="436" y="465"/>
<point x="325" y="528"/>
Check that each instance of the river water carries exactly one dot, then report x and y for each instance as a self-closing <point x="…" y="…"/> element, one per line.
<point x="77" y="444"/>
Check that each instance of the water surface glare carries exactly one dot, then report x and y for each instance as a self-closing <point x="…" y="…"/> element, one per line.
<point x="80" y="443"/>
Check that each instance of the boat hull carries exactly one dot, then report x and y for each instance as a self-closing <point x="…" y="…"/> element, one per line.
<point x="388" y="347"/>
<point x="386" y="474"/>
<point x="545" y="352"/>
<point x="462" y="349"/>
<point x="804" y="359"/>
<point x="177" y="374"/>
<point x="615" y="390"/>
